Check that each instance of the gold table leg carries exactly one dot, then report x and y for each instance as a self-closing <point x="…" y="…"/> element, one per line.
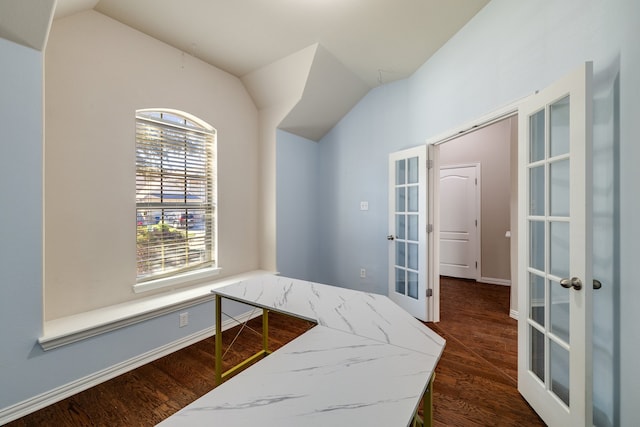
<point x="427" y="407"/>
<point x="220" y="376"/>
<point x="427" y="403"/>
<point x="218" y="340"/>
<point x="265" y="331"/>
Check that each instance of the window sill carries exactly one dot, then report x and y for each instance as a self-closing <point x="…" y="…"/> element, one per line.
<point x="70" y="329"/>
<point x="179" y="279"/>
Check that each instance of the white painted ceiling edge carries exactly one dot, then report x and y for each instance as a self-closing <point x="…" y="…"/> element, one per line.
<point x="355" y="45"/>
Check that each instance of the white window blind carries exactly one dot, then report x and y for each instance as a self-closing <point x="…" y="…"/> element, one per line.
<point x="175" y="194"/>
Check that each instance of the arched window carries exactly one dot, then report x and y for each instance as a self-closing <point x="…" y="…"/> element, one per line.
<point x="175" y="194"/>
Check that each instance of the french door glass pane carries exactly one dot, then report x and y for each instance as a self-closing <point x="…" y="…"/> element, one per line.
<point x="400" y="254"/>
<point x="536" y="300"/>
<point x="400" y="202"/>
<point x="537" y="184"/>
<point x="412" y="198"/>
<point x="400" y="226"/>
<point x="412" y="170"/>
<point x="412" y="284"/>
<point x="559" y="248"/>
<point x="536" y="146"/>
<point x="536" y="362"/>
<point x="412" y="256"/>
<point x="536" y="239"/>
<point x="559" y="311"/>
<point x="400" y="281"/>
<point x="412" y="227"/>
<point x="559" y="366"/>
<point x="559" y="188"/>
<point x="559" y="127"/>
<point x="400" y="172"/>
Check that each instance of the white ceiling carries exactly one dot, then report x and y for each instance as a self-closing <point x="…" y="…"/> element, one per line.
<point x="378" y="40"/>
<point x="359" y="44"/>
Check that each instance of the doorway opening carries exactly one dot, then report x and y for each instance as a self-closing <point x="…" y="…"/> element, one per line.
<point x="491" y="142"/>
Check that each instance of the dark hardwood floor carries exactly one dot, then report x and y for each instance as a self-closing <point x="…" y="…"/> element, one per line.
<point x="151" y="393"/>
<point x="475" y="380"/>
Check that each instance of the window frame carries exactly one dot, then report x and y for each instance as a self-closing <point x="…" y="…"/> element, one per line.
<point x="156" y="133"/>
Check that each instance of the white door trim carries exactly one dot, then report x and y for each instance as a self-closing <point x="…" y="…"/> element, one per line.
<point x="433" y="238"/>
<point x="485" y="120"/>
<point x="433" y="146"/>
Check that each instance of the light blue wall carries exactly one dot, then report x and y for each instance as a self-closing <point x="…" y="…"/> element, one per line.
<point x="349" y="166"/>
<point x="34" y="371"/>
<point x="298" y="210"/>
<point x="353" y="162"/>
<point x="509" y="50"/>
<point x="20" y="212"/>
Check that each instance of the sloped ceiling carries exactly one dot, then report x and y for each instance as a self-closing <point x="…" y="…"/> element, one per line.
<point x="376" y="41"/>
<point x="26" y="22"/>
<point x="331" y="90"/>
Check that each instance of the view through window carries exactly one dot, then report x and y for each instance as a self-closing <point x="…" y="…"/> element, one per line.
<point x="175" y="194"/>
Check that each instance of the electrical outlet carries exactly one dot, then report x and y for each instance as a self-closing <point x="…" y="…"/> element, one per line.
<point x="184" y="319"/>
<point x="363" y="273"/>
<point x="364" y="206"/>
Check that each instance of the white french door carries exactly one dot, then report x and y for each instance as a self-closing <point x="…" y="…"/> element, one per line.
<point x="408" y="230"/>
<point x="554" y="253"/>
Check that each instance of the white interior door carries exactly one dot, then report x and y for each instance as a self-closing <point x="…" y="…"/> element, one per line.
<point x="408" y="230"/>
<point x="554" y="251"/>
<point x="459" y="219"/>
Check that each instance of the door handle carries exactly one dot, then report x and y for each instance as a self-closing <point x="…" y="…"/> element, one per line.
<point x="574" y="283"/>
<point x="391" y="237"/>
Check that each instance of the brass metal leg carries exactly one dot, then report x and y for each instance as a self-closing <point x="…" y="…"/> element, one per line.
<point x="265" y="330"/>
<point x="218" y="340"/>
<point x="427" y="404"/>
<point x="427" y="407"/>
<point x="220" y="375"/>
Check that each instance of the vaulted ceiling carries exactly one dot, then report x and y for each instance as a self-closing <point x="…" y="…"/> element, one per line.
<point x="376" y="41"/>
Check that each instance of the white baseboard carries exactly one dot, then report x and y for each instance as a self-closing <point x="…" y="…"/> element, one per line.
<point x="513" y="314"/>
<point x="494" y="281"/>
<point x="59" y="393"/>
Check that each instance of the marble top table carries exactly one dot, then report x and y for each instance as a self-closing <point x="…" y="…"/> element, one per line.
<point x="368" y="361"/>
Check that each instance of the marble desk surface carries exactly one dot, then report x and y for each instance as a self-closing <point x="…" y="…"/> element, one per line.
<point x="368" y="361"/>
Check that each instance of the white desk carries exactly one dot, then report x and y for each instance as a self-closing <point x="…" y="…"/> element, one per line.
<point x="367" y="361"/>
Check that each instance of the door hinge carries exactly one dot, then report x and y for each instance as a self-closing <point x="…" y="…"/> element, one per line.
<point x="476" y="222"/>
<point x="476" y="265"/>
<point x="429" y="228"/>
<point x="429" y="164"/>
<point x="476" y="181"/>
<point x="429" y="293"/>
